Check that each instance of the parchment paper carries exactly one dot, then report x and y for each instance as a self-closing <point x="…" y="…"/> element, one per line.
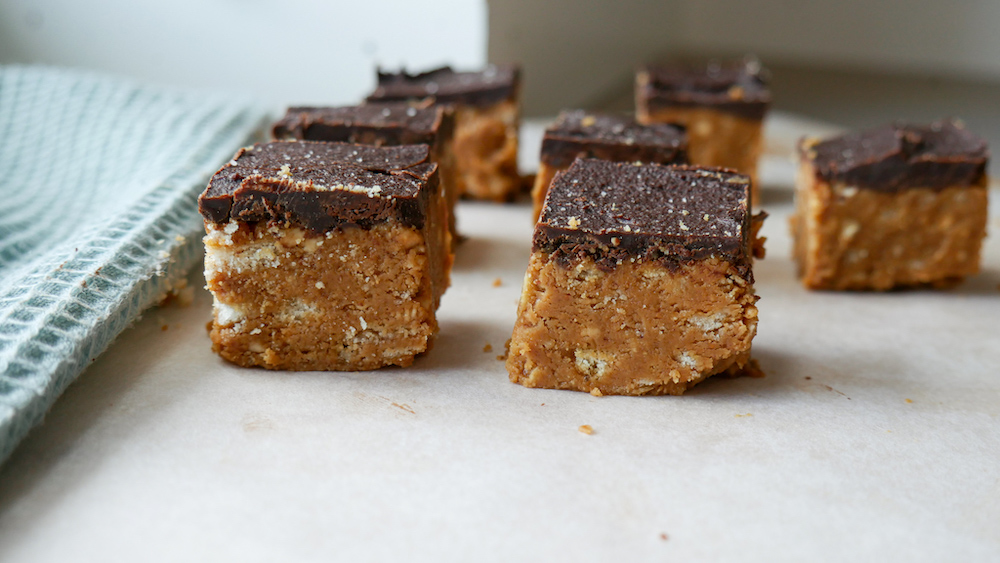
<point x="873" y="437"/>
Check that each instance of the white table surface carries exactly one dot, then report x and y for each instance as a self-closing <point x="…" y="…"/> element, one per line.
<point x="875" y="436"/>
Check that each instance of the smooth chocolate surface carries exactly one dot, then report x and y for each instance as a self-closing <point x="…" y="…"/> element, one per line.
<point x="613" y="211"/>
<point x="396" y="123"/>
<point x="578" y="133"/>
<point x="735" y="87"/>
<point x="899" y="156"/>
<point x="321" y="186"/>
<point x="489" y="86"/>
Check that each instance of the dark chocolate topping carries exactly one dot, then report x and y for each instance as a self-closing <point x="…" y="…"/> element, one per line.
<point x="613" y="211"/>
<point x="396" y="123"/>
<point x="899" y="156"/>
<point x="735" y="87"/>
<point x="492" y="85"/>
<point x="322" y="186"/>
<point x="608" y="137"/>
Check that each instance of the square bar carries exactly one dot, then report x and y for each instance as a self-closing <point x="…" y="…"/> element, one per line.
<point x="640" y="281"/>
<point x="325" y="256"/>
<point x="577" y="133"/>
<point x="722" y="106"/>
<point x="487" y="116"/>
<point x="382" y="124"/>
<point x="895" y="206"/>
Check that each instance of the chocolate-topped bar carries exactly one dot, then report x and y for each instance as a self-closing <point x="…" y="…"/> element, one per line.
<point x="640" y="280"/>
<point x="899" y="156"/>
<point x="577" y="133"/>
<point x="487" y="114"/>
<point x="721" y="104"/>
<point x="492" y="85"/>
<point x="325" y="256"/>
<point x="893" y="206"/>
<point x="380" y="124"/>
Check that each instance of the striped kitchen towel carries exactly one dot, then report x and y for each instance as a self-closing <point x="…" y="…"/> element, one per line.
<point x="99" y="180"/>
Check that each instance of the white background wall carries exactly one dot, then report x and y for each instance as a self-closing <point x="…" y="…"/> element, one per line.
<point x="575" y="52"/>
<point x="292" y="51"/>
<point x="957" y="38"/>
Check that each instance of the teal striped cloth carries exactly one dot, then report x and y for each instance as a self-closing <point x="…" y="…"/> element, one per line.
<point x="99" y="180"/>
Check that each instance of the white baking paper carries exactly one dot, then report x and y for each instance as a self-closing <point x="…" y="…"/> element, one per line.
<point x="874" y="437"/>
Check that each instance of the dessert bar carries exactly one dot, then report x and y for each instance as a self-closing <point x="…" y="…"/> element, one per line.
<point x="640" y="281"/>
<point x="578" y="133"/>
<point x="897" y="205"/>
<point x="487" y="115"/>
<point x="722" y="106"/>
<point x="325" y="256"/>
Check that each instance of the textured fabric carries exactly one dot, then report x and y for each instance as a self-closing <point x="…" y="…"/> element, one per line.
<point x="99" y="180"/>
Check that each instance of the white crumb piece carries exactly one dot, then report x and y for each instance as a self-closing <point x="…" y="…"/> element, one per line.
<point x="255" y="331"/>
<point x="226" y="315"/>
<point x="372" y="191"/>
<point x="850" y="229"/>
<point x="286" y="171"/>
<point x="687" y="360"/>
<point x="574" y="222"/>
<point x="705" y="218"/>
<point x="591" y="363"/>
<point x="231" y="227"/>
<point x="627" y="229"/>
<point x="364" y="325"/>
<point x="682" y="225"/>
<point x="320" y="285"/>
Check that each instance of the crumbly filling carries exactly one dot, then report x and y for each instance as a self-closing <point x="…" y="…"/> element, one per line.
<point x="485" y="149"/>
<point x="288" y="298"/>
<point x="635" y="330"/>
<point x="850" y="238"/>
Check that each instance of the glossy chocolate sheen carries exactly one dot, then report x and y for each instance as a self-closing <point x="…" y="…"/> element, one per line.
<point x="379" y="124"/>
<point x="737" y="88"/>
<point x="671" y="215"/>
<point x="588" y="135"/>
<point x="321" y="186"/>
<point x="494" y="84"/>
<point x="899" y="156"/>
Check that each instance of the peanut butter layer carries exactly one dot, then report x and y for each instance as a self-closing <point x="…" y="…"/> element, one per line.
<point x="291" y="299"/>
<point x="639" y="329"/>
<point x="485" y="151"/>
<point x="847" y="238"/>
